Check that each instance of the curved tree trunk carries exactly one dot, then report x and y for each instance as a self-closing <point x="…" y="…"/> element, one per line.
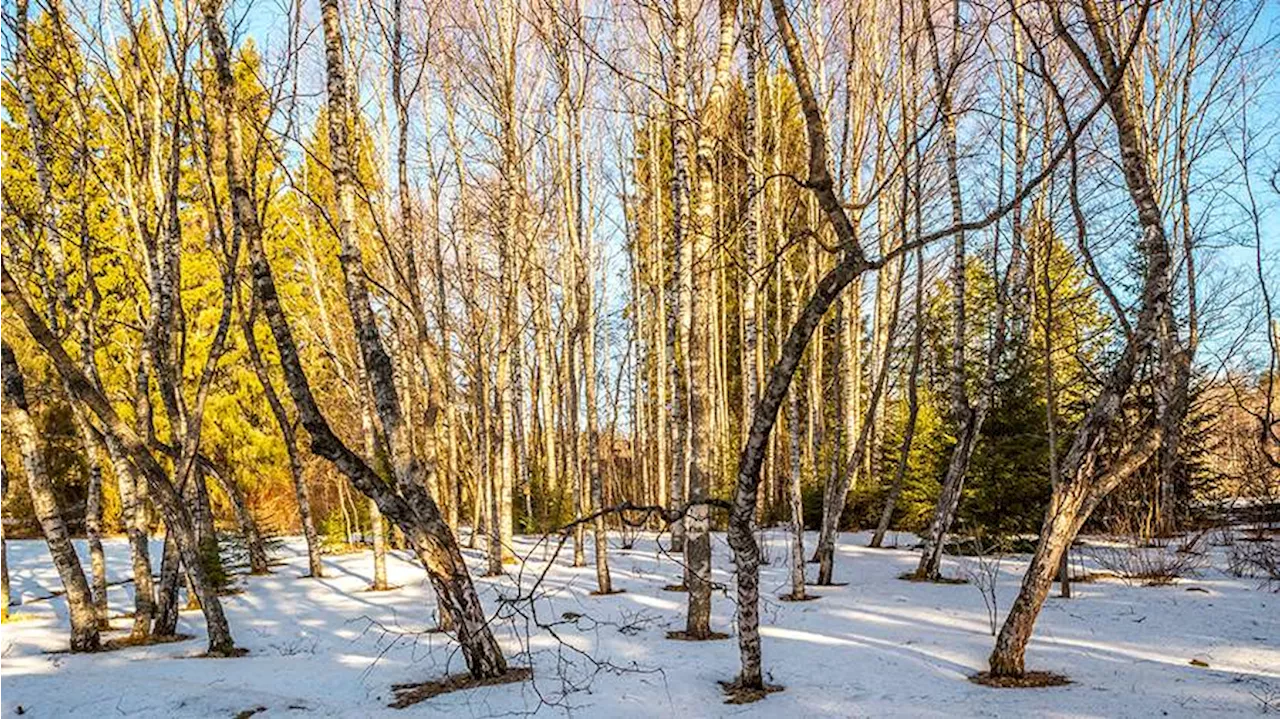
<point x="167" y="593"/>
<point x="1083" y="483"/>
<point x="122" y="440"/>
<point x="405" y="502"/>
<point x="80" y="601"/>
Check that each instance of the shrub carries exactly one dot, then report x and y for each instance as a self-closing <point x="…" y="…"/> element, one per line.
<point x="1151" y="562"/>
<point x="1259" y="560"/>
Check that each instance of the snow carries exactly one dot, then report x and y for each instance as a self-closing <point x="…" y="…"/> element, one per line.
<point x="878" y="646"/>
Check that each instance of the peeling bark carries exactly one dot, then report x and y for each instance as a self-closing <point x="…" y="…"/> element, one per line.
<point x="407" y="503"/>
<point x="80" y="601"/>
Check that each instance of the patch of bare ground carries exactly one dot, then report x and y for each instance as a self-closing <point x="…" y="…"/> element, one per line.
<point x="735" y="693"/>
<point x="409" y="694"/>
<point x="675" y="588"/>
<point x="1026" y="680"/>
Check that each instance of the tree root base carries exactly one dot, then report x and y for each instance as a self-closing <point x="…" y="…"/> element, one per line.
<point x="231" y="653"/>
<point x="914" y="577"/>
<point x="125" y="642"/>
<point x="143" y="641"/>
<point x="683" y="636"/>
<point x="735" y="693"/>
<point x="409" y="694"/>
<point x="1026" y="680"/>
<point x="611" y="592"/>
<point x="387" y="588"/>
<point x="806" y="597"/>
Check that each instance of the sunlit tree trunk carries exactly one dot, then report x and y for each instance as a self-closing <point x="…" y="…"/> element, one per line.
<point x="1086" y="478"/>
<point x="80" y="602"/>
<point x="700" y="273"/>
<point x="406" y="502"/>
<point x="680" y="290"/>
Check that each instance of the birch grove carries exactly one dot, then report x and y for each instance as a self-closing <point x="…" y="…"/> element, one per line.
<point x="490" y="288"/>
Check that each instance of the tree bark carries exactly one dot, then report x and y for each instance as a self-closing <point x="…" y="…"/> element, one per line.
<point x="80" y="601"/>
<point x="407" y="503"/>
<point x="133" y="512"/>
<point x="379" y="532"/>
<point x="794" y="494"/>
<point x="604" y="584"/>
<point x="967" y="422"/>
<point x="700" y="272"/>
<point x="680" y="291"/>
<point x="1084" y="481"/>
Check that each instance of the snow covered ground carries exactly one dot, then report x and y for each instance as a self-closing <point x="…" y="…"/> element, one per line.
<point x="877" y="647"/>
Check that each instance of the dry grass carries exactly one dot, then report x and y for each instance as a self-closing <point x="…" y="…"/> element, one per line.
<point x="1258" y="560"/>
<point x="1151" y="561"/>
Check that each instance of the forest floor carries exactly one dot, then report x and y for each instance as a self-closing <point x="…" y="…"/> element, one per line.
<point x="1206" y="645"/>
